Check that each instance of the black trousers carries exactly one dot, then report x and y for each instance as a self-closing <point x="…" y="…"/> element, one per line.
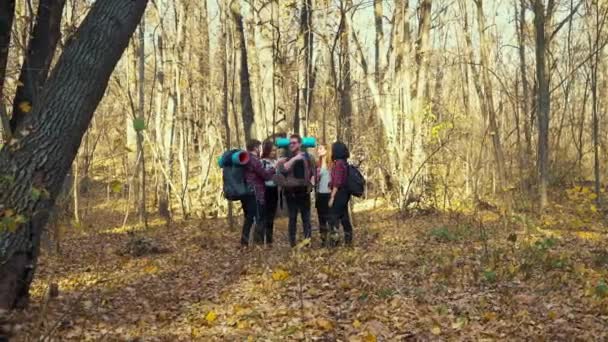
<point x="298" y="202"/>
<point x="253" y="212"/>
<point x="338" y="213"/>
<point x="270" y="210"/>
<point x="322" y="204"/>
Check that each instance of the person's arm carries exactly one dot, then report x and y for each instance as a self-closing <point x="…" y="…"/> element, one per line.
<point x="338" y="178"/>
<point x="289" y="164"/>
<point x="258" y="168"/>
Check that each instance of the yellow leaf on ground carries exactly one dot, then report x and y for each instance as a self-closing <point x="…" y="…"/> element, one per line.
<point x="357" y="324"/>
<point x="211" y="316"/>
<point x="489" y="316"/>
<point x="436" y="330"/>
<point x="150" y="269"/>
<point x="552" y="314"/>
<point x="324" y="324"/>
<point x="370" y="338"/>
<point x="280" y="275"/>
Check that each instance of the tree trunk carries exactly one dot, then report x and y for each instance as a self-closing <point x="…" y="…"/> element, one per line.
<point x="305" y="69"/>
<point x="525" y="90"/>
<point x="41" y="157"/>
<point x="378" y="46"/>
<point x="161" y="118"/>
<point x="246" y="101"/>
<point x="40" y="52"/>
<point x="7" y="13"/>
<point x="345" y="100"/>
<point x="543" y="100"/>
<point x="487" y="97"/>
<point x="141" y="163"/>
<point x="223" y="45"/>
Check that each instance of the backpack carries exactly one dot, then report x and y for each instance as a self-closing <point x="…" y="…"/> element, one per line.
<point x="298" y="178"/>
<point x="234" y="184"/>
<point x="355" y="182"/>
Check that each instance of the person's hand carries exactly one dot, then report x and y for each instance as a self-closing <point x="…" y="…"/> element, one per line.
<point x="281" y="161"/>
<point x="331" y="202"/>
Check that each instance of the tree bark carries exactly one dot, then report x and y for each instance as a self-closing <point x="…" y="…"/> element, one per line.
<point x="345" y="100"/>
<point x="543" y="100"/>
<point x="487" y="97"/>
<point x="246" y="101"/>
<point x="40" y="52"/>
<point x="378" y="47"/>
<point x="525" y="88"/>
<point x="41" y="157"/>
<point x="7" y="13"/>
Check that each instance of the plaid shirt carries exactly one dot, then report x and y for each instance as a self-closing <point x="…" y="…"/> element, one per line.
<point x="256" y="175"/>
<point x="338" y="174"/>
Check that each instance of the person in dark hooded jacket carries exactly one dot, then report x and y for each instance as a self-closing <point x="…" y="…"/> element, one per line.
<point x="339" y="198"/>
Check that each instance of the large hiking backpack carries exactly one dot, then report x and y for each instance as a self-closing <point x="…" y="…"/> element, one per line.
<point x="235" y="186"/>
<point x="355" y="181"/>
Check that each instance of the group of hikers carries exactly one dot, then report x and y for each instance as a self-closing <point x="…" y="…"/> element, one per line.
<point x="292" y="178"/>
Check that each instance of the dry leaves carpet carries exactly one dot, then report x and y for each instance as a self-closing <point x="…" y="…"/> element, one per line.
<point x="433" y="277"/>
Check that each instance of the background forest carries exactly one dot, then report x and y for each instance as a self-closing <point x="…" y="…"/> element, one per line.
<point x="454" y="109"/>
<point x="445" y="103"/>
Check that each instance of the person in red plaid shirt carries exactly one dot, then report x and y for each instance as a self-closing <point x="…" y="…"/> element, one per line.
<point x="340" y="196"/>
<point x="253" y="204"/>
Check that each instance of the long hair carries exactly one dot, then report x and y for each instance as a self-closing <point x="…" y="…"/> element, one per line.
<point x="267" y="148"/>
<point x="327" y="158"/>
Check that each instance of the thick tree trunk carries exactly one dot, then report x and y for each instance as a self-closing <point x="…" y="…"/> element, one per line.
<point x="246" y="101"/>
<point x="41" y="157"/>
<point x="40" y="52"/>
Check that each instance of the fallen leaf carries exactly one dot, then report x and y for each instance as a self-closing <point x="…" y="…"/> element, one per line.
<point x="357" y="324"/>
<point x="369" y="337"/>
<point x="324" y="324"/>
<point x="280" y="275"/>
<point x="436" y="330"/>
<point x="211" y="316"/>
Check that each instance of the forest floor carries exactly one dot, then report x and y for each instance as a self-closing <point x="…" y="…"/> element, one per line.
<point x="431" y="277"/>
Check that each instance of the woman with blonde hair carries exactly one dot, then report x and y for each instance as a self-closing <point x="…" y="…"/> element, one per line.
<point x="323" y="191"/>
